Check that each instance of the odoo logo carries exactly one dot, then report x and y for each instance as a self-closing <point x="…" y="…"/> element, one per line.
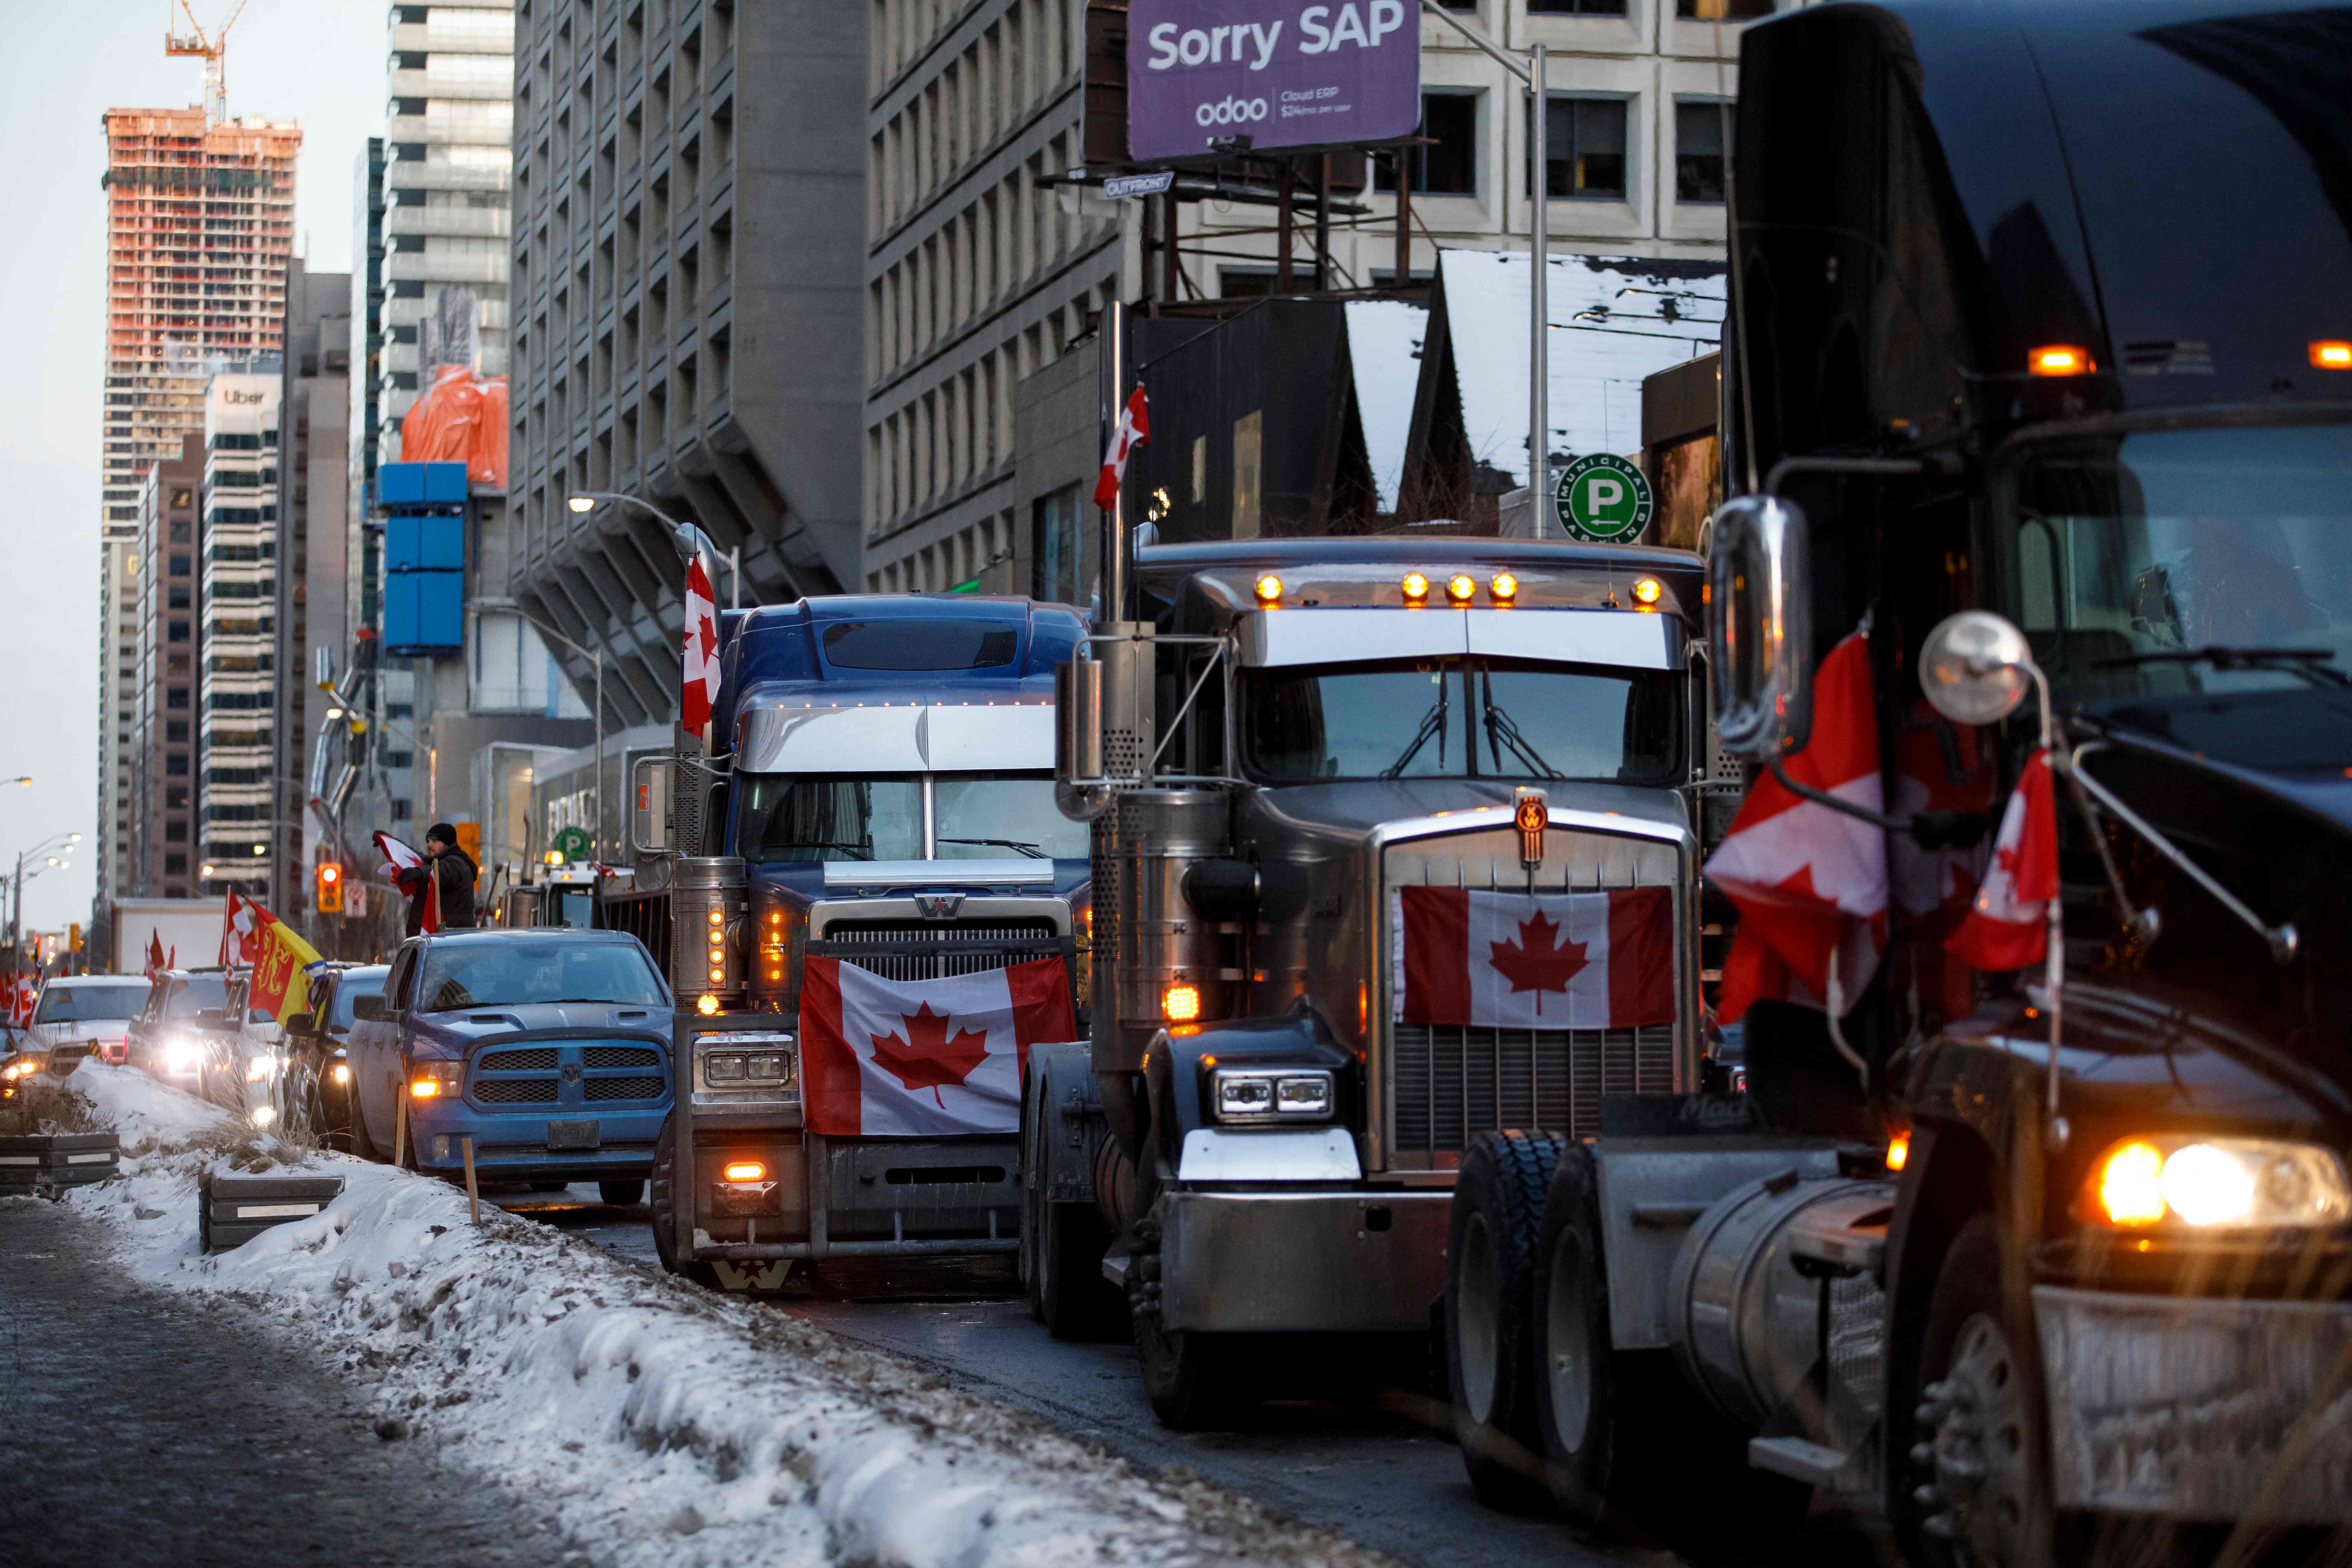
<point x="1230" y="111"/>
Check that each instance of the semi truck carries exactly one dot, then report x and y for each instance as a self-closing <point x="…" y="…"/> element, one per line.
<point x="877" y="789"/>
<point x="189" y="927"/>
<point x="1394" y="845"/>
<point x="2045" y="1262"/>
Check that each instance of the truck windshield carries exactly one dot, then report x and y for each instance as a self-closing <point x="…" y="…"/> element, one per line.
<point x="90" y="1003"/>
<point x="516" y="975"/>
<point x="1464" y="717"/>
<point x="196" y="993"/>
<point x="974" y="817"/>
<point x="2180" y="563"/>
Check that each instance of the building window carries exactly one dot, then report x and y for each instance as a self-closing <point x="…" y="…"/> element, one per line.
<point x="400" y="810"/>
<point x="1056" y="547"/>
<point x="177" y="697"/>
<point x="175" y="798"/>
<point x="178" y="596"/>
<point x="180" y="565"/>
<point x="176" y="864"/>
<point x="1445" y="163"/>
<point x="175" y="764"/>
<point x="1722" y="10"/>
<point x="1584" y="149"/>
<point x="176" y="729"/>
<point x="175" y="831"/>
<point x="180" y="532"/>
<point x="182" y="499"/>
<point x="1701" y="131"/>
<point x="176" y="631"/>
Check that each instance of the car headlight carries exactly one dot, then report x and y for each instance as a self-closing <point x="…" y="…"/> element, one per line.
<point x="2212" y="1184"/>
<point x="260" y="1068"/>
<point x="341" y="1072"/>
<point x="1272" y="1094"/>
<point x="436" y="1080"/>
<point x="182" y="1056"/>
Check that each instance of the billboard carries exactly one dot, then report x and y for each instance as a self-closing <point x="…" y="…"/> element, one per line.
<point x="1203" y="74"/>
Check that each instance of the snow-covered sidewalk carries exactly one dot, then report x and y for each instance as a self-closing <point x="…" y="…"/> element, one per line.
<point x="668" y="1426"/>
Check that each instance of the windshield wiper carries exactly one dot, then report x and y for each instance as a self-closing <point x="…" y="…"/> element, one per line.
<point x="1501" y="727"/>
<point x="1032" y="850"/>
<point x="1432" y="724"/>
<point x="2314" y="663"/>
<point x="863" y="851"/>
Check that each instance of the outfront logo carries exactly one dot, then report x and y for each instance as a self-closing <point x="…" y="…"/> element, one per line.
<point x="1230" y="111"/>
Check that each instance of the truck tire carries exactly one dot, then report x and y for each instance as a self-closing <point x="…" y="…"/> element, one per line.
<point x="665" y="1216"/>
<point x="1982" y="1461"/>
<point x="621" y="1195"/>
<point x="362" y="1145"/>
<point x="1499" y="1209"/>
<point x="1062" y="1247"/>
<point x="1625" y="1438"/>
<point x="1185" y="1375"/>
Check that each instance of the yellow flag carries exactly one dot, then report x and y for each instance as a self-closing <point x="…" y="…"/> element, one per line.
<point x="278" y="987"/>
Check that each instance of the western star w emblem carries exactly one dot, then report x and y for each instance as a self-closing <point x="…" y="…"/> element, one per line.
<point x="938" y="905"/>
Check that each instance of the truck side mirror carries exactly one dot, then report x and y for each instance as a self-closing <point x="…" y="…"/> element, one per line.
<point x="1079" y="739"/>
<point x="298" y="1023"/>
<point x="649" y="798"/>
<point x="368" y="1009"/>
<point x="1760" y="627"/>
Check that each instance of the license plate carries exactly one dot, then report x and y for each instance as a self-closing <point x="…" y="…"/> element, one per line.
<point x="575" y="1134"/>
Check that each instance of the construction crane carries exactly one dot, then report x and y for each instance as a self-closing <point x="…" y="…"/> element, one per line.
<point x="211" y="49"/>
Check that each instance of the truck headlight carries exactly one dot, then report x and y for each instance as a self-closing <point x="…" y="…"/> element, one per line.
<point x="436" y="1080"/>
<point x="259" y="1069"/>
<point x="1272" y="1094"/>
<point x="750" y="1069"/>
<point x="2210" y="1183"/>
<point x="180" y="1055"/>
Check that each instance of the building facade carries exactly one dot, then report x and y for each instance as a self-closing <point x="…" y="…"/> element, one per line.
<point x="162" y="849"/>
<point x="119" y="566"/>
<point x="237" y="594"/>
<point x="688" y="229"/>
<point x="314" y="535"/>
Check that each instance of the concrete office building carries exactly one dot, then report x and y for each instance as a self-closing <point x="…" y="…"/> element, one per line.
<point x="688" y="228"/>
<point x="978" y="273"/>
<point x="313" y="536"/>
<point x="159" y="851"/>
<point x="119" y="566"/>
<point x="237" y="586"/>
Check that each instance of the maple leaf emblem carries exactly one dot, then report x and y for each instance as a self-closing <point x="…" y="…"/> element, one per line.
<point x="1538" y="960"/>
<point x="928" y="1055"/>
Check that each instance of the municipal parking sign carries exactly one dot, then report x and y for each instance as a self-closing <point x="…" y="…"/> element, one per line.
<point x="1603" y="499"/>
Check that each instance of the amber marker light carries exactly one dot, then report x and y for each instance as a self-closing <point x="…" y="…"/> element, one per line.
<point x="1459" y="588"/>
<point x="706" y="1005"/>
<point x="2131" y="1183"/>
<point x="2331" y="353"/>
<point x="1648" y="591"/>
<point x="2059" y="359"/>
<point x="1898" y="1150"/>
<point x="1416" y="587"/>
<point x="744" y="1171"/>
<point x="423" y="1089"/>
<point x="1269" y="589"/>
<point x="1505" y="587"/>
<point x="1180" y="1003"/>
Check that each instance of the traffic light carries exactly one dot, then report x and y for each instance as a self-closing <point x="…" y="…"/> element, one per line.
<point x="331" y="887"/>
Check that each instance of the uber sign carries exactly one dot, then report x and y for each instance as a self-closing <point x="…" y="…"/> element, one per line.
<point x="1277" y="72"/>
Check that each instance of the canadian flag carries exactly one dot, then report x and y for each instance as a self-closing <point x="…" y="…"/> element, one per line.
<point x="2008" y="925"/>
<point x="1533" y="960"/>
<point x="156" y="961"/>
<point x="242" y="920"/>
<point x="701" y="673"/>
<point x="1134" y="430"/>
<point x="20" y="992"/>
<point x="408" y="871"/>
<point x="1809" y="881"/>
<point x="917" y="1058"/>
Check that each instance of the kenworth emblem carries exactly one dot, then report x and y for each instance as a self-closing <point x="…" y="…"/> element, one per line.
<point x="938" y="905"/>
<point x="1531" y="816"/>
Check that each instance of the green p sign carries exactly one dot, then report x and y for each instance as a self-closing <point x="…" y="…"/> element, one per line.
<point x="572" y="844"/>
<point x="1603" y="499"/>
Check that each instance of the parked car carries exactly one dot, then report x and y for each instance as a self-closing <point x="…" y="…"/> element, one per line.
<point x="314" y="1092"/>
<point x="166" y="1039"/>
<point x="80" y="1016"/>
<point x="548" y="1048"/>
<point x="243" y="1066"/>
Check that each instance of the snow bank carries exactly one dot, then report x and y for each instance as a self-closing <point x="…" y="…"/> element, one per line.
<point x="666" y="1425"/>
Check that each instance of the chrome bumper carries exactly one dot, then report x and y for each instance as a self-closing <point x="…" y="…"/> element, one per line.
<point x="1346" y="1262"/>
<point x="2198" y="1408"/>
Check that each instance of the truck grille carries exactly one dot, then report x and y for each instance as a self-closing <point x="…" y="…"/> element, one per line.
<point x="617" y="1057"/>
<point x="602" y="1088"/>
<point x="956" y="947"/>
<point x="542" y="1059"/>
<point x="599" y="1073"/>
<point x="1454" y="1083"/>
<point x="515" y="1090"/>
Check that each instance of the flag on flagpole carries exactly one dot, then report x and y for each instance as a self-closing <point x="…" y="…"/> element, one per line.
<point x="702" y="671"/>
<point x="1533" y="960"/>
<point x="242" y="920"/>
<point x="1134" y="430"/>
<point x="1810" y="882"/>
<point x="2008" y="925"/>
<point x="277" y="988"/>
<point x="408" y="871"/>
<point x="918" y="1059"/>
<point x="156" y="961"/>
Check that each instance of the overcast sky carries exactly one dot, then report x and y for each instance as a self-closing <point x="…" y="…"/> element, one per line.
<point x="319" y="63"/>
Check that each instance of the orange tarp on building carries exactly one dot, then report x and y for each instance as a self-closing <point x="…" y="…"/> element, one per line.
<point x="463" y="419"/>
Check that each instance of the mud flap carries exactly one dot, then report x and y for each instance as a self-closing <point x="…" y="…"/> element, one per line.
<point x="768" y="1276"/>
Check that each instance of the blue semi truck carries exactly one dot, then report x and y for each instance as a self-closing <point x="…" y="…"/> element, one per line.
<point x="877" y="787"/>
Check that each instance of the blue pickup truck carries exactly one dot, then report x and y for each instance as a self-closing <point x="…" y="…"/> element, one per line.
<point x="550" y="1048"/>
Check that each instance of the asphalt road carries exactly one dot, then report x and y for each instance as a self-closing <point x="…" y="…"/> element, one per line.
<point x="138" y="1427"/>
<point x="1373" y="1469"/>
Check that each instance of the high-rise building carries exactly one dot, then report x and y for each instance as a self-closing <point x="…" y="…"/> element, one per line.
<point x="120" y="563"/>
<point x="237" y="589"/>
<point x="688" y="233"/>
<point x="363" y="549"/>
<point x="200" y="225"/>
<point x="314" y="439"/>
<point x="447" y="169"/>
<point x="158" y="857"/>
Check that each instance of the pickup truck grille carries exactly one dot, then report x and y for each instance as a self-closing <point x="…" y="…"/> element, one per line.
<point x="599" y="1073"/>
<point x="515" y="1092"/>
<point x="542" y="1059"/>
<point x="1454" y="1083"/>
<point x="947" y="947"/>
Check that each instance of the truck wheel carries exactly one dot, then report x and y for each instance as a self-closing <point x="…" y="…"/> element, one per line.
<point x="665" y="1214"/>
<point x="362" y="1145"/>
<point x="1062" y="1247"/>
<point x="1185" y="1375"/>
<point x="1624" y="1437"/>
<point x="1982" y="1452"/>
<point x="1499" y="1206"/>
<point x="621" y="1195"/>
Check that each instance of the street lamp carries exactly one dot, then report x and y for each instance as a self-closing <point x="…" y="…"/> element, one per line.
<point x="16" y="915"/>
<point x="688" y="540"/>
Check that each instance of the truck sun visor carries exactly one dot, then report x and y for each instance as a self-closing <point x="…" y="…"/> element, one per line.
<point x="919" y="644"/>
